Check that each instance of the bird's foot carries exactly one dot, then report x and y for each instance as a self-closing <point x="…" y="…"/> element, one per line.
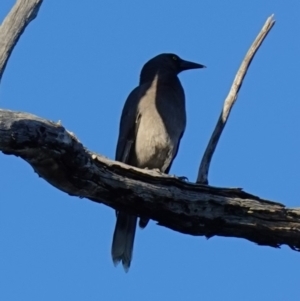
<point x="183" y="178"/>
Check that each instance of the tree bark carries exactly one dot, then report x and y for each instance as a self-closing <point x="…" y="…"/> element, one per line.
<point x="57" y="156"/>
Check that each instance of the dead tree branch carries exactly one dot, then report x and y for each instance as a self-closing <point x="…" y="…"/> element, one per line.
<point x="58" y="157"/>
<point x="230" y="100"/>
<point x="23" y="12"/>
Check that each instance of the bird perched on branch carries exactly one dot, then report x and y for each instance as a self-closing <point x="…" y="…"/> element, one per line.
<point x="152" y="123"/>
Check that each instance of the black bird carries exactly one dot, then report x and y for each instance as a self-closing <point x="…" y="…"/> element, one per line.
<point x="152" y="123"/>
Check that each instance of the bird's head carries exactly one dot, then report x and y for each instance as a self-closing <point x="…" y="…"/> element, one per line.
<point x="167" y="63"/>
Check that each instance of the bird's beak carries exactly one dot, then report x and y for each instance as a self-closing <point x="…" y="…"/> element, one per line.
<point x="186" y="65"/>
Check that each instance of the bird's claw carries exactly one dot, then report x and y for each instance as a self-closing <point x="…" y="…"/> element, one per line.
<point x="183" y="178"/>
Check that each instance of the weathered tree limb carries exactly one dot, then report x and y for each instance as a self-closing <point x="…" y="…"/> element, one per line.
<point x="23" y="12"/>
<point x="230" y="100"/>
<point x="58" y="157"/>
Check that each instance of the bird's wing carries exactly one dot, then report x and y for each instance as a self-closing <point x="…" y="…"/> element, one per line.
<point x="166" y="168"/>
<point x="128" y="126"/>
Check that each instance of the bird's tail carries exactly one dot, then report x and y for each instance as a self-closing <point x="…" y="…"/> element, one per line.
<point x="123" y="239"/>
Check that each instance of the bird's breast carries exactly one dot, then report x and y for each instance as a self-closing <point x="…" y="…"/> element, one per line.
<point x="153" y="145"/>
<point x="161" y="124"/>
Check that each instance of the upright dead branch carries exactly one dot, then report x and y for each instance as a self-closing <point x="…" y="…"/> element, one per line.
<point x="23" y="12"/>
<point x="230" y="100"/>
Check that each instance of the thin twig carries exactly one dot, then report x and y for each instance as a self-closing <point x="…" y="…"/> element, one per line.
<point x="23" y="12"/>
<point x="230" y="100"/>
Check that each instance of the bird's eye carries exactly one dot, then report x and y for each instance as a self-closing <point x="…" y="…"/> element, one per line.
<point x="175" y="58"/>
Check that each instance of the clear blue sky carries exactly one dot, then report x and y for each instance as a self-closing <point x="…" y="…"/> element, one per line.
<point x="76" y="63"/>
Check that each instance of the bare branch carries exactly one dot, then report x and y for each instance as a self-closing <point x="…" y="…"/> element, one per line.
<point x="23" y="12"/>
<point x="230" y="100"/>
<point x="58" y="157"/>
